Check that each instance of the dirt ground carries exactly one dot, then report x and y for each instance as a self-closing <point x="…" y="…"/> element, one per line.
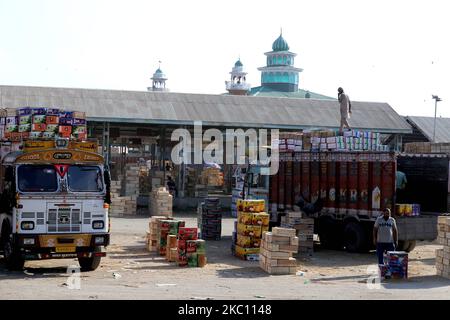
<point x="130" y="272"/>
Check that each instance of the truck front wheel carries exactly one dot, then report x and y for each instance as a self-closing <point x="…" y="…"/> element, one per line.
<point x="13" y="259"/>
<point x="90" y="264"/>
<point x="355" y="237"/>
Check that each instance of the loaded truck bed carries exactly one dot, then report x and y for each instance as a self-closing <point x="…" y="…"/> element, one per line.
<point x="354" y="188"/>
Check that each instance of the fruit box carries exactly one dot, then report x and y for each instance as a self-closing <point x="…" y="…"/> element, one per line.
<point x="187" y="233"/>
<point x="248" y="242"/>
<point x="261" y="219"/>
<point x="243" y="251"/>
<point x="245" y="217"/>
<point x="249" y="231"/>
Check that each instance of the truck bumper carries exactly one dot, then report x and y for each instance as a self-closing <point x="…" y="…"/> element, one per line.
<point x="61" y="246"/>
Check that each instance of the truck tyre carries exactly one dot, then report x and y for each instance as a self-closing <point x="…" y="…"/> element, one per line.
<point x="403" y="245"/>
<point x="406" y="245"/>
<point x="90" y="264"/>
<point x="13" y="259"/>
<point x="355" y="237"/>
<point x="330" y="234"/>
<point x="412" y="245"/>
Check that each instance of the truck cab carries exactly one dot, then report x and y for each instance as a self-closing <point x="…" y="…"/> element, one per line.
<point x="54" y="203"/>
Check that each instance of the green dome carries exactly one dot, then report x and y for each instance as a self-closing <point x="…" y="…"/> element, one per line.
<point x="158" y="71"/>
<point x="238" y="63"/>
<point x="280" y="44"/>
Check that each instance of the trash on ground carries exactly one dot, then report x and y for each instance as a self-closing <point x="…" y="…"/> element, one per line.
<point x="166" y="284"/>
<point x="117" y="275"/>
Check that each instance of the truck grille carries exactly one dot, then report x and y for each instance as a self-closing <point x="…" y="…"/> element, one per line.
<point x="64" y="220"/>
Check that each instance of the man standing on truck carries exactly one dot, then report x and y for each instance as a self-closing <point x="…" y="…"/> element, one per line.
<point x="345" y="108"/>
<point x="385" y="234"/>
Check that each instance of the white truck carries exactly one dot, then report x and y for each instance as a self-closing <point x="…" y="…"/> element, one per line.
<point x="54" y="200"/>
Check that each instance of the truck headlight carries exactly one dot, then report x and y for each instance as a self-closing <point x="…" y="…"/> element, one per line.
<point x="27" y="225"/>
<point x="99" y="240"/>
<point x="98" y="225"/>
<point x="28" y="241"/>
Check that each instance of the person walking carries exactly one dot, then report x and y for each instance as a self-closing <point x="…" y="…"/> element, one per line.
<point x="385" y="234"/>
<point x="345" y="109"/>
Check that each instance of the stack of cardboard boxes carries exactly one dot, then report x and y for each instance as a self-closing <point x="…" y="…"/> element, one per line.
<point x="427" y="147"/>
<point x="212" y="177"/>
<point x="165" y="228"/>
<point x="160" y="202"/>
<point x="153" y="233"/>
<point x="304" y="228"/>
<point x="117" y="207"/>
<point x="172" y="248"/>
<point x="121" y="205"/>
<point x="277" y="248"/>
<point x="251" y="223"/>
<point x="209" y="219"/>
<point x="352" y="140"/>
<point x="443" y="255"/>
<point x="131" y="179"/>
<point x="42" y="123"/>
<point x="191" y="251"/>
<point x="417" y="147"/>
<point x="171" y="239"/>
<point x="144" y="180"/>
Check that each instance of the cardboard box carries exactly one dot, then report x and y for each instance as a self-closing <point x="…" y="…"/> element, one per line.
<point x="261" y="219"/>
<point x="248" y="242"/>
<point x="243" y="251"/>
<point x="249" y="230"/>
<point x="269" y="237"/>
<point x="187" y="233"/>
<point x="275" y="254"/>
<point x="52" y="120"/>
<point x="283" y="232"/>
<point x="38" y="118"/>
<point x="38" y="127"/>
<point x="65" y="129"/>
<point x="245" y="218"/>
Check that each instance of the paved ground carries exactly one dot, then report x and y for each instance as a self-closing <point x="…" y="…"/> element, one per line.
<point x="129" y="272"/>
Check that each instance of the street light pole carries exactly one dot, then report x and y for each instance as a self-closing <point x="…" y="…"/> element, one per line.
<point x="436" y="100"/>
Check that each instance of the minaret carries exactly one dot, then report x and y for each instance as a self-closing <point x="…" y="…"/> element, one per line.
<point x="159" y="80"/>
<point x="238" y="84"/>
<point x="280" y="74"/>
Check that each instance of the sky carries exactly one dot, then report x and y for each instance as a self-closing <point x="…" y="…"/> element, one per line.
<point x="382" y="51"/>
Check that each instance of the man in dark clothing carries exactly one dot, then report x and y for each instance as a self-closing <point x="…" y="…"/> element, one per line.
<point x="171" y="186"/>
<point x="345" y="108"/>
<point x="385" y="234"/>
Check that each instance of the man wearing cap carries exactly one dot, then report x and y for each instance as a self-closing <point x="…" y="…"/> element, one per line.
<point x="345" y="108"/>
<point x="385" y="235"/>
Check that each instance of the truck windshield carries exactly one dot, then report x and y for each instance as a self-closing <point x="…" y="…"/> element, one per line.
<point x="37" y="178"/>
<point x="85" y="179"/>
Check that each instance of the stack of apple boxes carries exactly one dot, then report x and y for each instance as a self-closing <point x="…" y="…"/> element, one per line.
<point x="443" y="255"/>
<point x="124" y="193"/>
<point x="117" y="205"/>
<point x="277" y="248"/>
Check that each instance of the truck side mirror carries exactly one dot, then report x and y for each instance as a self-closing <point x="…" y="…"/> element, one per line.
<point x="107" y="178"/>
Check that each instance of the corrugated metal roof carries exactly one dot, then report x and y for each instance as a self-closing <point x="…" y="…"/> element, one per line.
<point x="215" y="110"/>
<point x="263" y="91"/>
<point x="426" y="125"/>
